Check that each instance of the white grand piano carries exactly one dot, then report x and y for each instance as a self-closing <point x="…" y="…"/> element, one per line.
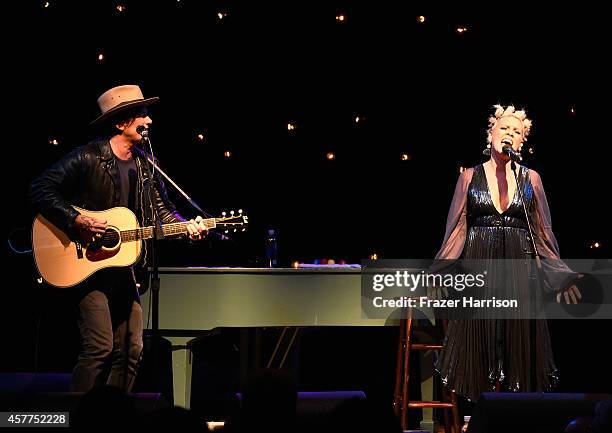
<point x="195" y="299"/>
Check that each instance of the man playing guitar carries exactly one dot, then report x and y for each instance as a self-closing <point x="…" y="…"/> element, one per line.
<point x="101" y="175"/>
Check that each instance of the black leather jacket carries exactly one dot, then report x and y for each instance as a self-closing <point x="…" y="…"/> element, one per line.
<point x="88" y="177"/>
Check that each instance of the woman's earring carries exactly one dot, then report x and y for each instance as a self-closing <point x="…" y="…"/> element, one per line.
<point x="487" y="151"/>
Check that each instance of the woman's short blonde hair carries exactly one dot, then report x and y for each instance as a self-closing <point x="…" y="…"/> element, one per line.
<point x="500" y="112"/>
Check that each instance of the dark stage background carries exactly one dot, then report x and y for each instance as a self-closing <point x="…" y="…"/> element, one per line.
<point x="422" y="89"/>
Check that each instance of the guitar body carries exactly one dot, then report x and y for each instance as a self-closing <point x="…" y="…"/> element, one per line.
<point x="62" y="262"/>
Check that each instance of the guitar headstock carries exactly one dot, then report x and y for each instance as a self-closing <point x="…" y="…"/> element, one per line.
<point x="233" y="221"/>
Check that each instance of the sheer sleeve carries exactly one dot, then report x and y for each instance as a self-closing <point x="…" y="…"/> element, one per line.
<point x="456" y="222"/>
<point x="557" y="274"/>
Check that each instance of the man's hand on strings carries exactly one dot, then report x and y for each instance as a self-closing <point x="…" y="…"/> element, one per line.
<point x="90" y="228"/>
<point x="197" y="229"/>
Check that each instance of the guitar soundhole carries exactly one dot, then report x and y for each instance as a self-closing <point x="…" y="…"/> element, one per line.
<point x="105" y="246"/>
<point x="111" y="238"/>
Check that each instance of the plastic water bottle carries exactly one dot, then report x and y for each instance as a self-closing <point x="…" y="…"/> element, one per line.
<point x="271" y="249"/>
<point x="466" y="421"/>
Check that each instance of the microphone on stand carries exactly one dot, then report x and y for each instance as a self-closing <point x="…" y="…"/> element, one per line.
<point x="143" y="131"/>
<point x="512" y="154"/>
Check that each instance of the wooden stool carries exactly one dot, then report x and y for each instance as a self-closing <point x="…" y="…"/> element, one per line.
<point x="401" y="402"/>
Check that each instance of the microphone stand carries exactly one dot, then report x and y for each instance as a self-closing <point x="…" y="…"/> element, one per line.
<point x="539" y="271"/>
<point x="178" y="188"/>
<point x="158" y="234"/>
<point x="157" y="168"/>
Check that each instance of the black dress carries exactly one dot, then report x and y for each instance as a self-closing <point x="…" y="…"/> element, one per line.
<point x="478" y="353"/>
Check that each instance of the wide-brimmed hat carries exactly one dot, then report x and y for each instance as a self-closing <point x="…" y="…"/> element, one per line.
<point x="119" y="99"/>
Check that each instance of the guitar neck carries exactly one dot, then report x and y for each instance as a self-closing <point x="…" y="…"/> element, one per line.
<point x="172" y="229"/>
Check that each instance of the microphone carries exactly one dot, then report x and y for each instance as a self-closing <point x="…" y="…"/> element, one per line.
<point x="512" y="154"/>
<point x="143" y="131"/>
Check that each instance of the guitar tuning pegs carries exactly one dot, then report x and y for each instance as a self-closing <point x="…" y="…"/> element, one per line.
<point x="243" y="230"/>
<point x="239" y="211"/>
<point x="223" y="213"/>
<point x="231" y="212"/>
<point x="226" y="231"/>
<point x="235" y="230"/>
